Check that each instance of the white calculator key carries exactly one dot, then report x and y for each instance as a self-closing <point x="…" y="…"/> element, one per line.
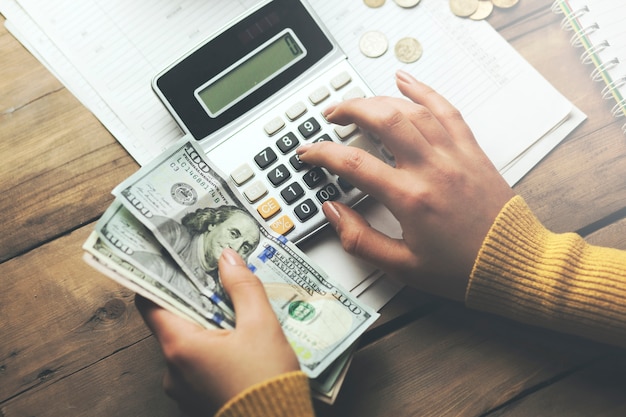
<point x="274" y="126"/>
<point x="255" y="191"/>
<point x="295" y="111"/>
<point x="340" y="80"/>
<point x="344" y="132"/>
<point x="354" y="92"/>
<point x="319" y="95"/>
<point x="242" y="174"/>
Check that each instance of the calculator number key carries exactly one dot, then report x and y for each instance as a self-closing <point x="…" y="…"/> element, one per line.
<point x="305" y="210"/>
<point x="287" y="143"/>
<point x="278" y="175"/>
<point x="329" y="192"/>
<point x="293" y="192"/>
<point x="297" y="163"/>
<point x="314" y="177"/>
<point x="309" y="128"/>
<point x="265" y="158"/>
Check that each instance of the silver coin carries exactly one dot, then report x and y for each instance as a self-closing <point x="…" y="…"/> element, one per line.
<point x="408" y="50"/>
<point x="373" y="44"/>
<point x="407" y="4"/>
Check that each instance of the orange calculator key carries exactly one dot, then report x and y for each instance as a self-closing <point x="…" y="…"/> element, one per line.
<point x="268" y="208"/>
<point x="283" y="225"/>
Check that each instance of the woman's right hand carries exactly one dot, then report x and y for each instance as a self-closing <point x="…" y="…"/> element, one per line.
<point x="444" y="191"/>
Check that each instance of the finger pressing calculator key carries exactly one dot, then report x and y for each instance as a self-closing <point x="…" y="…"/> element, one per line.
<point x="252" y="107"/>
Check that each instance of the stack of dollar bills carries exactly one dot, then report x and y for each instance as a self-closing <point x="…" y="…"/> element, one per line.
<point x="162" y="237"/>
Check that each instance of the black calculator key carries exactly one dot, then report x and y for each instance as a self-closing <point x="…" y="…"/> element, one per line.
<point x="309" y="128"/>
<point x="265" y="158"/>
<point x="323" y="138"/>
<point x="287" y="142"/>
<point x="278" y="175"/>
<point x="297" y="164"/>
<point x="345" y="185"/>
<point x="328" y="193"/>
<point x="314" y="177"/>
<point x="292" y="193"/>
<point x="305" y="210"/>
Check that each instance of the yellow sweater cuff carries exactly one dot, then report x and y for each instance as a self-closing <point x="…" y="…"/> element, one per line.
<point x="527" y="273"/>
<point x="286" y="395"/>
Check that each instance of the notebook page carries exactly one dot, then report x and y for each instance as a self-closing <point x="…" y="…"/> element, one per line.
<point x="508" y="105"/>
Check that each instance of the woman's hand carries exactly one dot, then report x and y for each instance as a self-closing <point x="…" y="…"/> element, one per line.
<point x="444" y="191"/>
<point x="206" y="368"/>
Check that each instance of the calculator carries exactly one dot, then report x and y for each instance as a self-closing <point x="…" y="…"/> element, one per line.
<point x="255" y="91"/>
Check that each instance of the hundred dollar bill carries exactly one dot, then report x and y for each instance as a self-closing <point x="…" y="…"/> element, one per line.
<point x="103" y="259"/>
<point x="131" y="241"/>
<point x="193" y="213"/>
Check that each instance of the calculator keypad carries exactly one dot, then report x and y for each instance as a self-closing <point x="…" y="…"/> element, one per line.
<point x="287" y="193"/>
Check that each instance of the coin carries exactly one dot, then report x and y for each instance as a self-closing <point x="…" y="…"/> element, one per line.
<point x="374" y="3"/>
<point x="407" y="4"/>
<point x="463" y="8"/>
<point x="408" y="50"/>
<point x="373" y="44"/>
<point x="504" y="4"/>
<point x="485" y="7"/>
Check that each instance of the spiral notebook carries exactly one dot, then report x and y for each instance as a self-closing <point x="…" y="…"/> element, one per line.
<point x="598" y="27"/>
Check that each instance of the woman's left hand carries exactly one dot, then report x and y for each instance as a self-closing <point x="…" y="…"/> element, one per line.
<point x="207" y="367"/>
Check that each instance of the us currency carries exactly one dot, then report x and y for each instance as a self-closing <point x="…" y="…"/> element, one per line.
<point x="320" y="319"/>
<point x="182" y="201"/>
<point x="132" y="242"/>
<point x="100" y="256"/>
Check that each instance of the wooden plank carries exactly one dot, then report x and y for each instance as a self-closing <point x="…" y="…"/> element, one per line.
<point x="613" y="236"/>
<point x="455" y="362"/>
<point x="59" y="316"/>
<point x="127" y="383"/>
<point x="59" y="166"/>
<point x="22" y="78"/>
<point x="596" y="390"/>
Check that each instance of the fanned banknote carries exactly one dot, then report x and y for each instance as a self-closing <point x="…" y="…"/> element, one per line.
<point x="179" y="213"/>
<point x="131" y="241"/>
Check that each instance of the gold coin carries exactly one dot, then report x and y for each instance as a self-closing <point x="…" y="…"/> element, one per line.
<point x="485" y="7"/>
<point x="373" y="44"/>
<point x="463" y="8"/>
<point x="374" y="3"/>
<point x="504" y="4"/>
<point x="408" y="50"/>
<point x="407" y="4"/>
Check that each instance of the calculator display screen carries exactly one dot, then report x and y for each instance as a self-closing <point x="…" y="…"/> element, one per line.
<point x="243" y="65"/>
<point x="249" y="74"/>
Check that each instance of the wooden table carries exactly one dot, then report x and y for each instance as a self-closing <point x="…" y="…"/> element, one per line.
<point x="72" y="343"/>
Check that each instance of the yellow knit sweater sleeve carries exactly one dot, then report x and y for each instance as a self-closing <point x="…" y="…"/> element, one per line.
<point x="527" y="273"/>
<point x="287" y="395"/>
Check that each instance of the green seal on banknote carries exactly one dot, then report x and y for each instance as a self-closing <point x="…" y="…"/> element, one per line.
<point x="301" y="310"/>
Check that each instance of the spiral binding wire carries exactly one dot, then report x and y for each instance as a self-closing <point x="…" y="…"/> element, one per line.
<point x="587" y="57"/>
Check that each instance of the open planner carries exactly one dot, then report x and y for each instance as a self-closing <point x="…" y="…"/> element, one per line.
<point x="108" y="52"/>
<point x="598" y="28"/>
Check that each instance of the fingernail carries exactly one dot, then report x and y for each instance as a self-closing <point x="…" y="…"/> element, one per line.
<point x="328" y="110"/>
<point x="405" y="77"/>
<point x="230" y="256"/>
<point x="303" y="148"/>
<point x="331" y="212"/>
